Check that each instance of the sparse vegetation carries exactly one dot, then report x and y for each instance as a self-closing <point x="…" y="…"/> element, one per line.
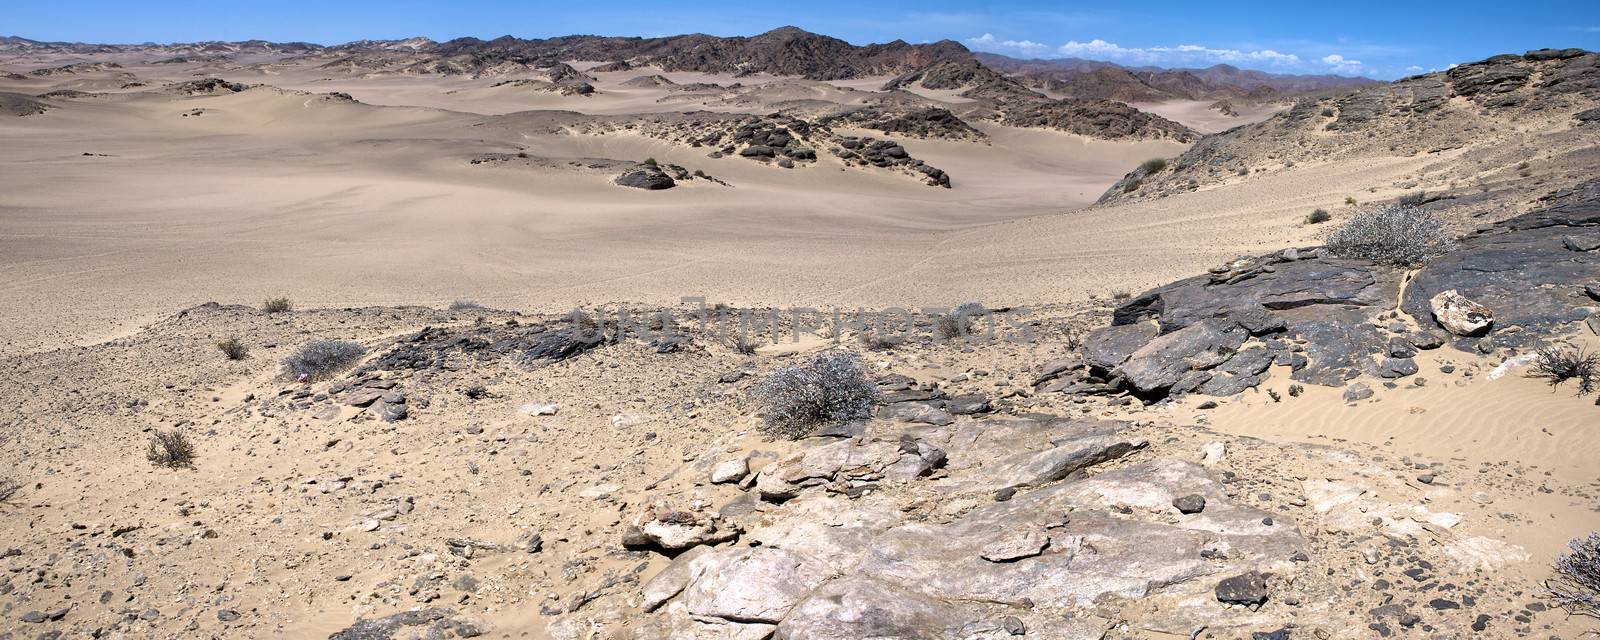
<point x="1350" y="201"/>
<point x="1560" y="364"/>
<point x="650" y="162"/>
<point x="1318" y="216"/>
<point x="831" y="388"/>
<point x="277" y="305"/>
<point x="1576" y="584"/>
<point x="742" y="343"/>
<point x="1121" y="294"/>
<point x="1327" y="112"/>
<point x="9" y="489"/>
<point x="464" y="305"/>
<point x="1131" y="186"/>
<point x="1413" y="199"/>
<point x="1395" y="235"/>
<point x="319" y="359"/>
<point x="958" y="322"/>
<point x="699" y="173"/>
<point x="873" y="341"/>
<point x="233" y="348"/>
<point x="1153" y="165"/>
<point x="170" y="449"/>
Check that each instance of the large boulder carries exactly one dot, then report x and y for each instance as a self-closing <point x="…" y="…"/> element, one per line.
<point x="1168" y="359"/>
<point x="647" y="177"/>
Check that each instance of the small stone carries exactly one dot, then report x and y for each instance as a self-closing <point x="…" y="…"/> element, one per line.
<point x="1460" y="315"/>
<point x="1426" y="478"/>
<point x="1247" y="589"/>
<point x="1192" y="503"/>
<point x="1014" y="626"/>
<point x="730" y="471"/>
<point x="536" y="409"/>
<point x="1357" y="392"/>
<point x="227" y="615"/>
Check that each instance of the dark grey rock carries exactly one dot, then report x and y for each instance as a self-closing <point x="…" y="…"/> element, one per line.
<point x="1588" y="242"/>
<point x="1357" y="392"/>
<point x="1247" y="588"/>
<point x="1164" y="361"/>
<point x="1397" y="367"/>
<point x="1107" y="347"/>
<point x="1192" y="503"/>
<point x="646" y="177"/>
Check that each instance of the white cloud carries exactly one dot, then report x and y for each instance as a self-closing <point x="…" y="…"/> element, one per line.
<point x="1340" y="63"/>
<point x="1414" y="69"/>
<point x="1097" y="49"/>
<point x="987" y="42"/>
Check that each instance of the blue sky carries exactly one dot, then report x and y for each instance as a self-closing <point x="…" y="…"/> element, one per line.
<point x="1385" y="40"/>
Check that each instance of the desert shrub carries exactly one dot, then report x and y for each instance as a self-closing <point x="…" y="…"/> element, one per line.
<point x="9" y="489"/>
<point x="1153" y="165"/>
<point x="1576" y="584"/>
<point x="742" y="343"/>
<point x="321" y="358"/>
<point x="650" y="162"/>
<point x="873" y="341"/>
<point x="1350" y="201"/>
<point x="170" y="449"/>
<point x="1560" y="364"/>
<point x="832" y="387"/>
<point x="233" y="348"/>
<point x="1413" y="199"/>
<point x="277" y="305"/>
<point x="699" y="173"/>
<point x="1318" y="216"/>
<point x="464" y="305"/>
<point x="1131" y="186"/>
<point x="1244" y="171"/>
<point x="958" y="322"/>
<point x="1394" y="235"/>
<point x="1121" y="294"/>
<point x="1327" y="112"/>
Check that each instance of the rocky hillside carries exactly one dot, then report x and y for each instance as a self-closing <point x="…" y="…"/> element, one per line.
<point x="1490" y="124"/>
<point x="1106" y="80"/>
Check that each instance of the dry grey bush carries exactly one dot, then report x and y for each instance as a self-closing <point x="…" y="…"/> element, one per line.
<point x="1398" y="236"/>
<point x="958" y="323"/>
<point x="1576" y="584"/>
<point x="9" y="489"/>
<point x="321" y="358"/>
<point x="277" y="305"/>
<point x="1560" y="364"/>
<point x="233" y="348"/>
<point x="463" y="305"/>
<point x="170" y="449"/>
<point x="831" y="388"/>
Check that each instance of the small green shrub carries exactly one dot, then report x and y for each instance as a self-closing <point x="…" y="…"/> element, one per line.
<point x="233" y="348"/>
<point x="170" y="449"/>
<point x="1350" y="201"/>
<point x="1327" y="112"/>
<point x="277" y="305"/>
<point x="1153" y="165"/>
<point x="1318" y="216"/>
<point x="1413" y="199"/>
<point x="650" y="162"/>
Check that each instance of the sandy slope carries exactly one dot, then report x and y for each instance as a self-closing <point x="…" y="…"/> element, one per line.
<point x="276" y="193"/>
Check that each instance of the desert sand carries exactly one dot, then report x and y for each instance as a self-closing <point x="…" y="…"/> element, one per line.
<point x="494" y="466"/>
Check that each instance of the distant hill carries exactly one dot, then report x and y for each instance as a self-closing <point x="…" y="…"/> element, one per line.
<point x="1081" y="78"/>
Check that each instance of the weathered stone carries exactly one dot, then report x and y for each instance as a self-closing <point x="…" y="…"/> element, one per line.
<point x="671" y="580"/>
<point x="751" y="585"/>
<point x="1107" y="347"/>
<point x="1588" y="242"/>
<point x="1459" y="315"/>
<point x="1357" y="391"/>
<point x="732" y="470"/>
<point x="1246" y="588"/>
<point x="1162" y="362"/>
<point x="1015" y="545"/>
<point x="857" y="607"/>
<point x="1192" y="503"/>
<point x="919" y="412"/>
<point x="1397" y="367"/>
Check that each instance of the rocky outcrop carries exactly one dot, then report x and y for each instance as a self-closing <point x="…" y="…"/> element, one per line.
<point x="647" y="177"/>
<point x="926" y="122"/>
<point x="1514" y="284"/>
<point x="1103" y="119"/>
<point x="836" y="561"/>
